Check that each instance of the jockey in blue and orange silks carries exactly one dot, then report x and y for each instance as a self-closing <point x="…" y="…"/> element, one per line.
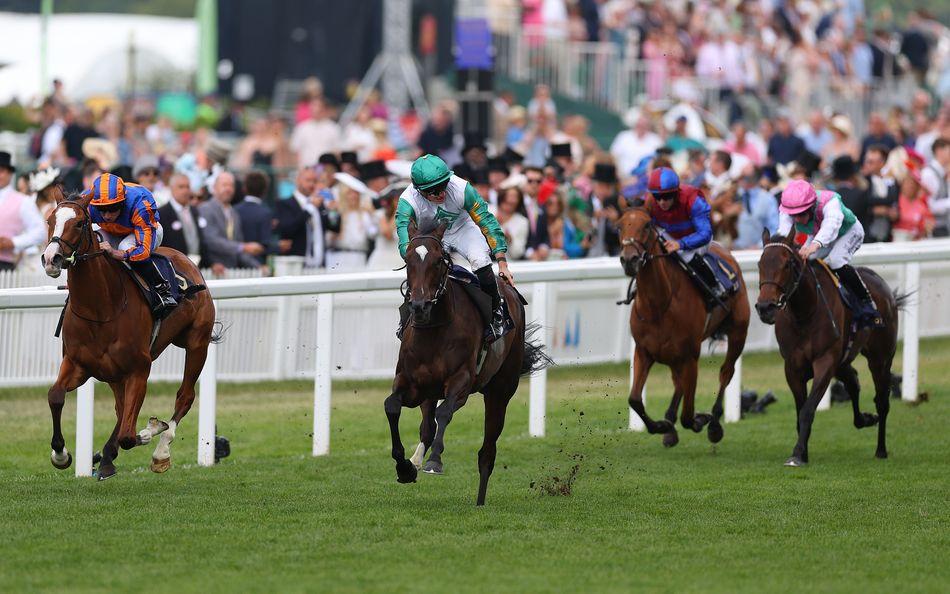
<point x="682" y="214"/>
<point x="128" y="221"/>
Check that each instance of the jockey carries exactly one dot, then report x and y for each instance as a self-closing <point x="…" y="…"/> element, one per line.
<point x="436" y="195"/>
<point x="834" y="234"/>
<point x="682" y="214"/>
<point x="127" y="218"/>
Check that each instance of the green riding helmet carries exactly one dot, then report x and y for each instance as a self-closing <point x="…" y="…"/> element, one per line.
<point x="428" y="171"/>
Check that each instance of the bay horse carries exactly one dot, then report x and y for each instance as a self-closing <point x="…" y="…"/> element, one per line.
<point x="669" y="322"/>
<point x="107" y="335"/>
<point x="812" y="325"/>
<point x="439" y="361"/>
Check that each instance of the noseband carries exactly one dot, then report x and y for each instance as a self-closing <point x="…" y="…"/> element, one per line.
<point x="444" y="282"/>
<point x="786" y="291"/>
<point x="645" y="255"/>
<point x="85" y="238"/>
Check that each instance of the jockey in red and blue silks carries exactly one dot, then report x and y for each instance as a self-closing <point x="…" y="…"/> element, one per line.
<point x="682" y="214"/>
<point x="128" y="221"/>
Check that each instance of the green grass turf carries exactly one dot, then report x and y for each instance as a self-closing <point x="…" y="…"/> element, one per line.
<point x="696" y="518"/>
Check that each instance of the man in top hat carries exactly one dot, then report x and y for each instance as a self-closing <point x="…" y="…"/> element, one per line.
<point x="605" y="202"/>
<point x="561" y="155"/>
<point x="375" y="175"/>
<point x="21" y="226"/>
<point x="474" y="152"/>
<point x="350" y="163"/>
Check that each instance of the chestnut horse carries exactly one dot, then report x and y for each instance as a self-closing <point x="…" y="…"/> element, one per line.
<point x="812" y="325"/>
<point x="107" y="335"/>
<point x="669" y="322"/>
<point x="440" y="362"/>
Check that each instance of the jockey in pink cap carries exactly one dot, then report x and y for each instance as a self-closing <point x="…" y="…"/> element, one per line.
<point x="834" y="234"/>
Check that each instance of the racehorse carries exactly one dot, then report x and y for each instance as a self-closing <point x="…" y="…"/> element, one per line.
<point x="107" y="334"/>
<point x="669" y="322"/>
<point x="438" y="360"/>
<point x="812" y="325"/>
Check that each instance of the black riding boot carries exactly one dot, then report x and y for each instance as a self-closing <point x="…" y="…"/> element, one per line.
<point x="489" y="284"/>
<point x="700" y="266"/>
<point x="153" y="277"/>
<point x="868" y="317"/>
<point x="403" y="317"/>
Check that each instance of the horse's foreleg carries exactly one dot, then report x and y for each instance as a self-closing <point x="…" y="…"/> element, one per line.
<point x="642" y="362"/>
<point x="110" y="450"/>
<point x="824" y="371"/>
<point x="672" y="438"/>
<point x="456" y="391"/>
<point x="426" y="433"/>
<point x="135" y="386"/>
<point x="405" y="471"/>
<point x="70" y="377"/>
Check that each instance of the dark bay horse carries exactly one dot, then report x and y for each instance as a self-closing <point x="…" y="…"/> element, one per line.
<point x="107" y="335"/>
<point x="439" y="362"/>
<point x="669" y="322"/>
<point x="813" y="327"/>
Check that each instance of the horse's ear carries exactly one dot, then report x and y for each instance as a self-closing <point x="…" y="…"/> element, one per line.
<point x="790" y="238"/>
<point x="413" y="230"/>
<point x="440" y="230"/>
<point x="766" y="238"/>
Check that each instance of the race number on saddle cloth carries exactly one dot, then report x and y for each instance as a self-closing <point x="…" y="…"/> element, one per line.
<point x="437" y="196"/>
<point x="833" y="234"/>
<point x="127" y="219"/>
<point x="683" y="215"/>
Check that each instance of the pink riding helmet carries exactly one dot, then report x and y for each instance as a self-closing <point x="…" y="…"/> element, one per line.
<point x="798" y="197"/>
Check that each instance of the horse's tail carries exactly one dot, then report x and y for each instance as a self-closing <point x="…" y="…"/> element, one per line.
<point x="535" y="359"/>
<point x="218" y="331"/>
<point x="901" y="299"/>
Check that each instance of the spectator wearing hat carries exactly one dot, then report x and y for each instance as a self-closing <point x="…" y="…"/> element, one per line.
<point x="375" y="175"/>
<point x="884" y="193"/>
<point x="350" y="163"/>
<point x="842" y="142"/>
<point x="180" y="221"/>
<point x="21" y="226"/>
<point x="257" y="219"/>
<point x="351" y="244"/>
<point x="474" y="152"/>
<point x="759" y="210"/>
<point x="915" y="220"/>
<point x="856" y="196"/>
<point x="784" y="146"/>
<point x="678" y="140"/>
<point x="605" y="202"/>
<point x="385" y="254"/>
<point x="936" y="180"/>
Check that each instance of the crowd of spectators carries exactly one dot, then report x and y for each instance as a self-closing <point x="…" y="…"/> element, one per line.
<point x="245" y="188"/>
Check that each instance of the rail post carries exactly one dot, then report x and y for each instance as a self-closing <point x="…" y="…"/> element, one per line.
<point x="539" y="381"/>
<point x="84" y="427"/>
<point x="733" y="405"/>
<point x="911" y="332"/>
<point x="207" y="407"/>
<point x="322" y="383"/>
<point x="635" y="423"/>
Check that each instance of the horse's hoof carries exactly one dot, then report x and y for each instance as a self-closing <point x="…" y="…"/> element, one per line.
<point x="715" y="432"/>
<point x="868" y="420"/>
<point x="106" y="472"/>
<point x="96" y="458"/>
<point x="160" y="466"/>
<point x="795" y="462"/>
<point x="59" y="463"/>
<point x="700" y="420"/>
<point x="880" y="454"/>
<point x="432" y="467"/>
<point x="406" y="472"/>
<point x="663" y="426"/>
<point x="670" y="439"/>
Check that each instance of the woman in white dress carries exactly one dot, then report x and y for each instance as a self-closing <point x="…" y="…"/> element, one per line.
<point x="513" y="222"/>
<point x="357" y="227"/>
<point x="385" y="254"/>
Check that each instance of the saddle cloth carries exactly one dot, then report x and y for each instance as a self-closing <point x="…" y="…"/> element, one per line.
<point x="181" y="287"/>
<point x="723" y="271"/>
<point x="851" y="301"/>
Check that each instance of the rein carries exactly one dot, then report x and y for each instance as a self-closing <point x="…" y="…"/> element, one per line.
<point x="643" y="259"/>
<point x="782" y="301"/>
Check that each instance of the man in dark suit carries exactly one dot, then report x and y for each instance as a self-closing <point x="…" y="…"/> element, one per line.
<point x="223" y="235"/>
<point x="303" y="220"/>
<point x="181" y="224"/>
<point x="257" y="220"/>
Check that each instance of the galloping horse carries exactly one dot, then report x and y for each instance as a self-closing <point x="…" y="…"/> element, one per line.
<point x="813" y="324"/>
<point x="107" y="334"/>
<point x="669" y="322"/>
<point x="438" y="360"/>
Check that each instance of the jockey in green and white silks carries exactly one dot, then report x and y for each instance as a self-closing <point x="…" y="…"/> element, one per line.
<point x="436" y="196"/>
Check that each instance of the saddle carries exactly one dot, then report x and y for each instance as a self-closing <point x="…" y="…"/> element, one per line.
<point x="852" y="301"/>
<point x="181" y="287"/>
<point x="724" y="272"/>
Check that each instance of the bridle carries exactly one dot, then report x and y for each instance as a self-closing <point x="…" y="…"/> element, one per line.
<point x="786" y="290"/>
<point x="85" y="238"/>
<point x="646" y="248"/>
<point x="443" y="282"/>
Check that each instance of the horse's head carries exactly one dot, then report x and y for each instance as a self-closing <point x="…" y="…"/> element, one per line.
<point x="427" y="270"/>
<point x="780" y="273"/>
<point x="70" y="234"/>
<point x="639" y="240"/>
